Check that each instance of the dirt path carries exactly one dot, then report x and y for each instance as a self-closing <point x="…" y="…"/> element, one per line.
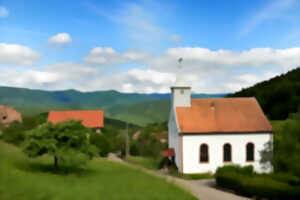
<point x="202" y="189"/>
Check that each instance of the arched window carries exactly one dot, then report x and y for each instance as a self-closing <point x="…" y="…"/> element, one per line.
<point x="227" y="152"/>
<point x="204" y="157"/>
<point x="250" y="152"/>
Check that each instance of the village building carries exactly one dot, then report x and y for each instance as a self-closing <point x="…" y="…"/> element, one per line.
<point x="204" y="134"/>
<point x="90" y="118"/>
<point x="8" y="115"/>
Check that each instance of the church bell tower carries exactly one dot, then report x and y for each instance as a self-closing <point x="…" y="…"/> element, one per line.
<point x="181" y="92"/>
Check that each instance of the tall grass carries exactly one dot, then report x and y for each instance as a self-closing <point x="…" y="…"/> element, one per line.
<point x="26" y="179"/>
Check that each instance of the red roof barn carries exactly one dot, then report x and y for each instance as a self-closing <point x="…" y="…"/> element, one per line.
<point x="89" y="118"/>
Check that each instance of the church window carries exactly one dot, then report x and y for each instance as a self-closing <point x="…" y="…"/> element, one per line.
<point x="250" y="152"/>
<point x="227" y="152"/>
<point x="4" y="118"/>
<point x="204" y="157"/>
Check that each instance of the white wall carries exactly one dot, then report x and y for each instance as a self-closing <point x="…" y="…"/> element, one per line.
<point x="173" y="136"/>
<point x="191" y="145"/>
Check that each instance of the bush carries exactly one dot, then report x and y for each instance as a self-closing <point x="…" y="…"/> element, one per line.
<point x="247" y="170"/>
<point x="285" y="178"/>
<point x="249" y="184"/>
<point x="102" y="143"/>
<point x="15" y="133"/>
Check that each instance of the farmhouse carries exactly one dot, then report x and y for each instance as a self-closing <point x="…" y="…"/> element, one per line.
<point x="90" y="118"/>
<point x="207" y="133"/>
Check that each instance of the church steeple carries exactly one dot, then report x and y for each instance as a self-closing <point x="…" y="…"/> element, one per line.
<point x="181" y="92"/>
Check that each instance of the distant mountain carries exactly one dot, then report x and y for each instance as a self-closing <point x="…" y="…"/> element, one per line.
<point x="132" y="107"/>
<point x="278" y="96"/>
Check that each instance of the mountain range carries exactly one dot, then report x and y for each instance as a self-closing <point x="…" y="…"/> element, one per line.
<point x="136" y="108"/>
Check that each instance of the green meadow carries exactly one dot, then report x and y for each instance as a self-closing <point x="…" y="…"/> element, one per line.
<point x="27" y="179"/>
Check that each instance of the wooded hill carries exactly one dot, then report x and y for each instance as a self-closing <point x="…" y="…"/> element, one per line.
<point x="136" y="108"/>
<point x="278" y="96"/>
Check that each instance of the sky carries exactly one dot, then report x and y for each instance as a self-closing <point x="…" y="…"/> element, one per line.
<point x="134" y="46"/>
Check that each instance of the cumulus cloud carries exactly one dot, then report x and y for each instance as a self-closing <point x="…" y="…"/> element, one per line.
<point x="3" y="12"/>
<point x="60" y="40"/>
<point x="206" y="70"/>
<point x="14" y="54"/>
<point x="175" y="38"/>
<point x="57" y="76"/>
<point x="106" y="56"/>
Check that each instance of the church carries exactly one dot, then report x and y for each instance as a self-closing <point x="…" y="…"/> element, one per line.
<point x="205" y="134"/>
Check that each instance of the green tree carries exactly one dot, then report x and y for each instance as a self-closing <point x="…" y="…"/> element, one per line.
<point x="102" y="143"/>
<point x="67" y="142"/>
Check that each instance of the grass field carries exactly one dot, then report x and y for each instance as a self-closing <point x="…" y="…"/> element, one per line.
<point x="23" y="178"/>
<point x="147" y="162"/>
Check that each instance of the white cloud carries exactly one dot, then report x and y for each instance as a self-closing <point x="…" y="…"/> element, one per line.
<point x="175" y="38"/>
<point x="274" y="10"/>
<point x="54" y="77"/>
<point x="106" y="56"/>
<point x="206" y="70"/>
<point x="195" y="59"/>
<point x="60" y="40"/>
<point x="14" y="54"/>
<point x="3" y="12"/>
<point x="135" y="80"/>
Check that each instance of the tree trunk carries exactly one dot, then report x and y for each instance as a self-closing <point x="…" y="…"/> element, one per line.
<point x="55" y="163"/>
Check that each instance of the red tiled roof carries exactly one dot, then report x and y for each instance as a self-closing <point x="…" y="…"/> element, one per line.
<point x="89" y="118"/>
<point x="222" y="115"/>
<point x="168" y="153"/>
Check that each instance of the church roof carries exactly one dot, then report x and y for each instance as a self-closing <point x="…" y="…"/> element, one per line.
<point x="222" y="115"/>
<point x="89" y="118"/>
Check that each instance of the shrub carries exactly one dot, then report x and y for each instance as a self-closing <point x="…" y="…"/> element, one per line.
<point x="14" y="133"/>
<point x="250" y="184"/>
<point x="285" y="178"/>
<point x="247" y="170"/>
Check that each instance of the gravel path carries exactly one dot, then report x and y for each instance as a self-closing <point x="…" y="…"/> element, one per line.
<point x="202" y="189"/>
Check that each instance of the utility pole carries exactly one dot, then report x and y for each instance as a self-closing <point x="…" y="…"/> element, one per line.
<point x="127" y="142"/>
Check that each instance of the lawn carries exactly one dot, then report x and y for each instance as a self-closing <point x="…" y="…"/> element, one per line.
<point x="23" y="178"/>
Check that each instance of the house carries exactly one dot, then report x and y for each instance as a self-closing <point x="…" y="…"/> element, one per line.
<point x="90" y="118"/>
<point x="208" y="133"/>
<point x="8" y="115"/>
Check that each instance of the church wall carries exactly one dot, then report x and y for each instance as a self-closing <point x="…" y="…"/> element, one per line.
<point x="173" y="138"/>
<point x="191" y="151"/>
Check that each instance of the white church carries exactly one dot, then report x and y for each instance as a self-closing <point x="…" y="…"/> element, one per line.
<point x="205" y="134"/>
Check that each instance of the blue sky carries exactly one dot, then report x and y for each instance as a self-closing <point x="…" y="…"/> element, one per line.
<point x="132" y="46"/>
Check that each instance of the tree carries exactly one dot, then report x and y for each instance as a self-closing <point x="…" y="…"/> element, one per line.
<point x="102" y="142"/>
<point x="67" y="142"/>
<point x="285" y="154"/>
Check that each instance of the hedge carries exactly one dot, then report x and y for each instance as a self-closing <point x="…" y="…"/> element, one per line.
<point x="255" y="185"/>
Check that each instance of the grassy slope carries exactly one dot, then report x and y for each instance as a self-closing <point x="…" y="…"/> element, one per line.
<point x="24" y="179"/>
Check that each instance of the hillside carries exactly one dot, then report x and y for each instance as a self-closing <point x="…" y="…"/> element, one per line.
<point x="99" y="179"/>
<point x="278" y="96"/>
<point x="136" y="108"/>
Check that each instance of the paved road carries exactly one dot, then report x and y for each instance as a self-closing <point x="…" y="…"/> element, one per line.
<point x="202" y="189"/>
